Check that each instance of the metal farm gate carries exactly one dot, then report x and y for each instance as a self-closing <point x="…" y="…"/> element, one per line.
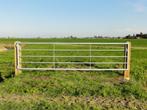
<point x="73" y="56"/>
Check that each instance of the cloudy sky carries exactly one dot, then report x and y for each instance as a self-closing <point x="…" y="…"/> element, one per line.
<point x="82" y="18"/>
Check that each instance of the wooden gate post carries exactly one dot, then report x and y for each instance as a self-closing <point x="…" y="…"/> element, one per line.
<point x="17" y="54"/>
<point x="128" y="61"/>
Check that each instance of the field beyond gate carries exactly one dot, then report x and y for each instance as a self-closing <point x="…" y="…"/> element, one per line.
<point x="72" y="89"/>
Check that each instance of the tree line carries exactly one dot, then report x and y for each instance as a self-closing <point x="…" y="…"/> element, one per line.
<point x="137" y="36"/>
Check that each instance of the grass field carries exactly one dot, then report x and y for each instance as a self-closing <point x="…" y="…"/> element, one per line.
<point x="75" y="90"/>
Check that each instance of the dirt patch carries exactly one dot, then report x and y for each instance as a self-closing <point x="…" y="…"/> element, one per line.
<point x="6" y="47"/>
<point x="3" y="49"/>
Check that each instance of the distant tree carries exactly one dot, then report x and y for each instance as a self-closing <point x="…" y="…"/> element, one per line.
<point x="128" y="36"/>
<point x="137" y="36"/>
<point x="144" y="36"/>
<point x="141" y="33"/>
<point x="72" y="37"/>
<point x="98" y="36"/>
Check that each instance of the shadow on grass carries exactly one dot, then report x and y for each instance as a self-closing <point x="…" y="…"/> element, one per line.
<point x="6" y="70"/>
<point x="1" y="79"/>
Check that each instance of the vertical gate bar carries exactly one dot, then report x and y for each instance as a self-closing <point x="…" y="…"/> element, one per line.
<point x="127" y="72"/>
<point x="90" y="56"/>
<point x="54" y="60"/>
<point x="125" y="56"/>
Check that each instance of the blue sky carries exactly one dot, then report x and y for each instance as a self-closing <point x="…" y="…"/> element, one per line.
<point x="82" y="18"/>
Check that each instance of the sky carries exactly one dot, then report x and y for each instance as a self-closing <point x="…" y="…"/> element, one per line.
<point x="81" y="18"/>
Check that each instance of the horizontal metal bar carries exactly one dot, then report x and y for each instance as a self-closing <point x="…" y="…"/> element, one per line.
<point x="70" y="69"/>
<point x="73" y="43"/>
<point x="74" y="62"/>
<point x="73" y="50"/>
<point x="28" y="56"/>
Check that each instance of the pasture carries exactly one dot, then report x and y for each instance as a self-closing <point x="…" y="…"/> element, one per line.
<point x="94" y="90"/>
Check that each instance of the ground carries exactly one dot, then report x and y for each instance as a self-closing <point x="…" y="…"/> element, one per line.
<point x="73" y="89"/>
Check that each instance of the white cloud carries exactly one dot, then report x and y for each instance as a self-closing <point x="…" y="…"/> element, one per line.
<point x="140" y="7"/>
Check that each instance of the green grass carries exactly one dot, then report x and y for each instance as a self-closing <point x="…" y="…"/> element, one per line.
<point x="75" y="90"/>
<point x="135" y="42"/>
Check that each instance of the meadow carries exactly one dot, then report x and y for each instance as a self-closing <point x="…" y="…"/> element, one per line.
<point x="75" y="90"/>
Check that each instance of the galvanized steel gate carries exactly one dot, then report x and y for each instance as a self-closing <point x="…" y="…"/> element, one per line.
<point x="73" y="56"/>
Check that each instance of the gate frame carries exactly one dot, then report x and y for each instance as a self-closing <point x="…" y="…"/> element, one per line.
<point x="17" y="54"/>
<point x="127" y="53"/>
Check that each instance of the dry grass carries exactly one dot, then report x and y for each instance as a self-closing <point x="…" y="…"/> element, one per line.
<point x="5" y="47"/>
<point x="106" y="102"/>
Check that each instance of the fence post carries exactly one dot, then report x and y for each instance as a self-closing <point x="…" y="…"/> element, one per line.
<point x="128" y="59"/>
<point x="17" y="55"/>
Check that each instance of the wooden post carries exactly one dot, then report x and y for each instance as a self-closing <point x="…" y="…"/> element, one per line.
<point x="128" y="59"/>
<point x="17" y="53"/>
